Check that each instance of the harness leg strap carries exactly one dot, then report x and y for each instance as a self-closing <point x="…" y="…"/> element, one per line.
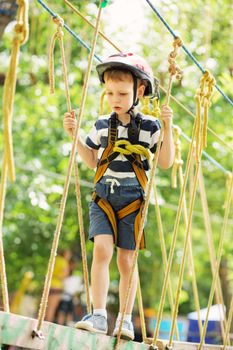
<point x="138" y="204"/>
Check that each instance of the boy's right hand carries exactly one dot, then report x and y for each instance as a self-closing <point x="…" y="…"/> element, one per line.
<point x="69" y="123"/>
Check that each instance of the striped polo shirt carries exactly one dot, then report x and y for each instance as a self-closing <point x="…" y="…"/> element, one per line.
<point x="120" y="167"/>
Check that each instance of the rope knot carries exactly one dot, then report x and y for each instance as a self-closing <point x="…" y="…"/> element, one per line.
<point x="58" y="21"/>
<point x="21" y="2"/>
<point x="19" y="28"/>
<point x="178" y="41"/>
<point x="59" y="34"/>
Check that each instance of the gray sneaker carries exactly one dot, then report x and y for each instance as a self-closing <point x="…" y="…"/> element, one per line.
<point x="127" y="330"/>
<point x="93" y="323"/>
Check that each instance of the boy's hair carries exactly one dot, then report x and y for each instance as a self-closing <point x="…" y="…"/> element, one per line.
<point x="121" y="75"/>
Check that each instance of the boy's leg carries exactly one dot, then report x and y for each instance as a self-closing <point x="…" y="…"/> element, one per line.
<point x="102" y="255"/>
<point x="125" y="262"/>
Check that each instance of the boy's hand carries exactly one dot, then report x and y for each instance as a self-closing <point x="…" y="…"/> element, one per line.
<point x="69" y="123"/>
<point x="166" y="116"/>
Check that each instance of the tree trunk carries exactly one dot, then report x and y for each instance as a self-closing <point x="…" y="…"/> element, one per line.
<point x="227" y="294"/>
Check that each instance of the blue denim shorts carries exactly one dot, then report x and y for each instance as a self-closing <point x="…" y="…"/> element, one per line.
<point x="119" y="196"/>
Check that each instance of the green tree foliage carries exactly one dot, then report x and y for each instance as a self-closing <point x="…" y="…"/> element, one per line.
<point x="41" y="147"/>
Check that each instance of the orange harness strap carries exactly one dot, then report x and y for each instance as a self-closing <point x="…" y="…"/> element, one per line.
<point x="102" y="168"/>
<point x="129" y="209"/>
<point x="140" y="172"/>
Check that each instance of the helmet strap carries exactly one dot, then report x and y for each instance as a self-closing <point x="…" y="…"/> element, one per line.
<point x="135" y="89"/>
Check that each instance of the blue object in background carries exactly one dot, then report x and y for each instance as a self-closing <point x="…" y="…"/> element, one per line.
<point x="213" y="333"/>
<point x="165" y="327"/>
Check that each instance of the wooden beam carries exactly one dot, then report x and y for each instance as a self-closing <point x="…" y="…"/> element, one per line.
<point x="17" y="330"/>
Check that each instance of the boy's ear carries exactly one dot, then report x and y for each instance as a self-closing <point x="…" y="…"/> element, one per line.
<point x="141" y="90"/>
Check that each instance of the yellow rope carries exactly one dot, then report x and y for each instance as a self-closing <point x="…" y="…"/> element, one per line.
<point x="178" y="162"/>
<point x="174" y="69"/>
<point x="82" y="239"/>
<point x="163" y="250"/>
<point x="21" y="30"/>
<point x="192" y="115"/>
<point x="141" y="309"/>
<point x="190" y="252"/>
<point x="174" y="235"/>
<point x="59" y="35"/>
<point x="208" y="229"/>
<point x="145" y="108"/>
<point x="92" y="25"/>
<point x="20" y="37"/>
<point x="5" y="297"/>
<point x="200" y="96"/>
<point x="140" y="233"/>
<point x="129" y="148"/>
<point x="229" y="195"/>
<point x="156" y="109"/>
<point x="178" y="167"/>
<point x="147" y="197"/>
<point x="162" y="88"/>
<point x="70" y="166"/>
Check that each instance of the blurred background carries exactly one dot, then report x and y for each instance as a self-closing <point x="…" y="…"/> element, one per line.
<point x="41" y="150"/>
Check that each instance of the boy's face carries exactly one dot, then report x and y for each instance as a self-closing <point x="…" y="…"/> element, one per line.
<point x="119" y="95"/>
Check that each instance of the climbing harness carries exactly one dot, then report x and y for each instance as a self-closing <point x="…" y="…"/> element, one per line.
<point x="115" y="147"/>
<point x="132" y="152"/>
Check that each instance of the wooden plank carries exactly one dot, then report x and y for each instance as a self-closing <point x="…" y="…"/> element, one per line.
<point x="17" y="330"/>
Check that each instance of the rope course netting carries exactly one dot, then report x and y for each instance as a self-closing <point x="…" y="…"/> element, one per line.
<point x="193" y="163"/>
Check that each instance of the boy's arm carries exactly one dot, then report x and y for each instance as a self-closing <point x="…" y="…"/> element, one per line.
<point x="88" y="155"/>
<point x="166" y="154"/>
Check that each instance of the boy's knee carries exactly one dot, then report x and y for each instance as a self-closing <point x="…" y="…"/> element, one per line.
<point x="102" y="251"/>
<point x="124" y="262"/>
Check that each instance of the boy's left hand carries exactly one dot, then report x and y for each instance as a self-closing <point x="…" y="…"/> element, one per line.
<point x="166" y="116"/>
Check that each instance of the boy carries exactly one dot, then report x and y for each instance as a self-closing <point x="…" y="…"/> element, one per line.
<point x="120" y="179"/>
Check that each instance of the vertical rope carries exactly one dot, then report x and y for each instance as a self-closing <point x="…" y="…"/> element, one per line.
<point x="219" y="255"/>
<point x="208" y="229"/>
<point x="172" y="248"/>
<point x="190" y="252"/>
<point x="141" y="309"/>
<point x="21" y="30"/>
<point x="42" y="309"/>
<point x="59" y="35"/>
<point x="175" y="231"/>
<point x="178" y="162"/>
<point x="5" y="297"/>
<point x="174" y="69"/>
<point x="140" y="233"/>
<point x="178" y="168"/>
<point x="203" y="98"/>
<point x="164" y="253"/>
